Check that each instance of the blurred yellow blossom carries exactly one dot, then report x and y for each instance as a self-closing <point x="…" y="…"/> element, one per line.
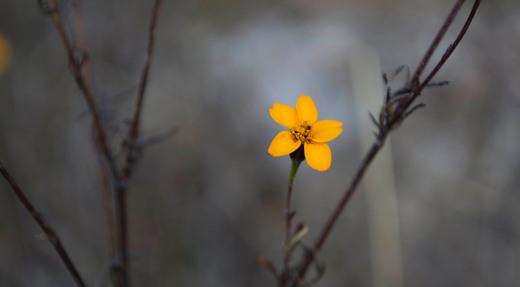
<point x="5" y="54"/>
<point x="304" y="129"/>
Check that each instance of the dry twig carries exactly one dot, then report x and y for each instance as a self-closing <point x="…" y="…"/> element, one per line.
<point x="47" y="228"/>
<point x="80" y="67"/>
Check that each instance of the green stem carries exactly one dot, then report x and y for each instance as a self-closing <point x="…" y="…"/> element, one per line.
<point x="289" y="215"/>
<point x="294" y="170"/>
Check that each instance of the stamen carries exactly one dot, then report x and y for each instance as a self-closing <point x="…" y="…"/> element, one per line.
<point x="302" y="132"/>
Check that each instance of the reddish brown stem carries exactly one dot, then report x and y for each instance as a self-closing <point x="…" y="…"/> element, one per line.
<point x="436" y="41"/>
<point x="369" y="157"/>
<point x="49" y="231"/>
<point x="107" y="201"/>
<point x="79" y="64"/>
<point x="136" y="119"/>
<point x="452" y="46"/>
<point x="310" y="257"/>
<point x="415" y="82"/>
<point x="384" y="130"/>
<point x="121" y="199"/>
<point x="81" y="69"/>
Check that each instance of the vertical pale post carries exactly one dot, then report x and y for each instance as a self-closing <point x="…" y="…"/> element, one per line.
<point x="378" y="184"/>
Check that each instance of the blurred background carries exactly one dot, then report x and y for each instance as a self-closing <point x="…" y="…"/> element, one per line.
<point x="204" y="203"/>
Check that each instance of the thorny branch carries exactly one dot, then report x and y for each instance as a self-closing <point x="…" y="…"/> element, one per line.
<point x="397" y="107"/>
<point x="49" y="231"/>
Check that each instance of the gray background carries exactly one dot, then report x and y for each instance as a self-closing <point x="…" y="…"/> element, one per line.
<point x="204" y="203"/>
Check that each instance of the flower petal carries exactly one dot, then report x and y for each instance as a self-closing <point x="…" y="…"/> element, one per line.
<point x="283" y="144"/>
<point x="318" y="156"/>
<point x="284" y="115"/>
<point x="326" y="130"/>
<point x="307" y="111"/>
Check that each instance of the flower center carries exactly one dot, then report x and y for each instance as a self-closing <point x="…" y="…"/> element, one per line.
<point x="302" y="132"/>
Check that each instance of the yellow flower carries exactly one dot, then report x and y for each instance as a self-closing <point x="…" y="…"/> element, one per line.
<point x="5" y="54"/>
<point x="304" y="129"/>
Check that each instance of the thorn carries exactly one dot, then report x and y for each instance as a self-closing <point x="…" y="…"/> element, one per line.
<point x="385" y="78"/>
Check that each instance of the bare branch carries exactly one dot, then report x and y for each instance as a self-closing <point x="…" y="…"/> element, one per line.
<point x="49" y="231"/>
<point x="452" y="47"/>
<point x="436" y="42"/>
<point x="134" y="128"/>
<point x="121" y="199"/>
<point x="393" y="111"/>
<point x="79" y="65"/>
